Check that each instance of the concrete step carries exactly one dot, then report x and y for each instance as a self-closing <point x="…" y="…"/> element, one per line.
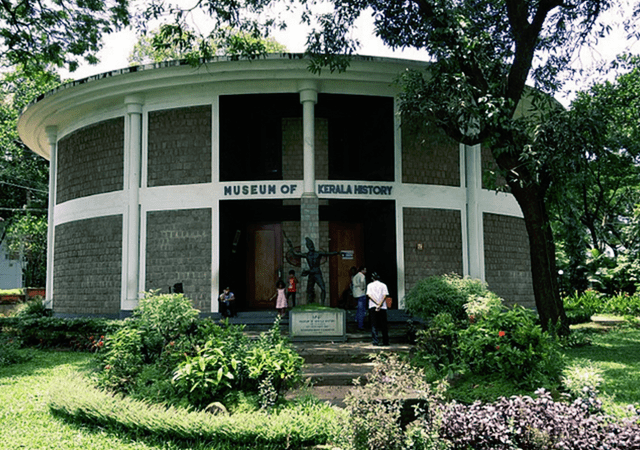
<point x="335" y="374"/>
<point x="338" y="364"/>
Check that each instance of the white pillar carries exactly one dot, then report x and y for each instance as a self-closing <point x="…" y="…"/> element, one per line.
<point x="52" y="135"/>
<point x="131" y="238"/>
<point x="475" y="237"/>
<point x="309" y="205"/>
<point x="309" y="98"/>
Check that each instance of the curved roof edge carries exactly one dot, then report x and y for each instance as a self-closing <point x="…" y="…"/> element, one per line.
<point x="54" y="107"/>
<point x="182" y="63"/>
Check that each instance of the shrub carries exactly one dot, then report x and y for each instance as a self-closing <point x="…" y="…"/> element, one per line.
<point x="443" y="294"/>
<point x="204" y="376"/>
<point x="48" y="332"/>
<point x="394" y="395"/>
<point x="162" y="318"/>
<point x="580" y="307"/>
<point x="192" y="362"/>
<point x="438" y="344"/>
<point x="527" y="423"/>
<point x="10" y="352"/>
<point x="580" y="380"/>
<point x="622" y="304"/>
<point x="511" y="344"/>
<point x="34" y="307"/>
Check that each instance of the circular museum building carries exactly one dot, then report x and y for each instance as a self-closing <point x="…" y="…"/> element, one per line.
<point x="168" y="176"/>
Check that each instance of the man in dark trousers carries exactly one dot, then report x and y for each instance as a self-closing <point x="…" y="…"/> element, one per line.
<point x="377" y="292"/>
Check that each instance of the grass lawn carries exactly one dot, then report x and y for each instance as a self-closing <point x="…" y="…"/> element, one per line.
<point x="617" y="354"/>
<point x="25" y="419"/>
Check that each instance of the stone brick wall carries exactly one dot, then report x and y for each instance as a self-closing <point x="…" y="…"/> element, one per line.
<point x="292" y="149"/>
<point x="91" y="161"/>
<point x="88" y="267"/>
<point x="432" y="243"/>
<point x="429" y="156"/>
<point x="179" y="146"/>
<point x="506" y="259"/>
<point x="179" y="251"/>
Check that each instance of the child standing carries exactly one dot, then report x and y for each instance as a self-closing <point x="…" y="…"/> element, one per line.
<point x="292" y="288"/>
<point x="281" y="300"/>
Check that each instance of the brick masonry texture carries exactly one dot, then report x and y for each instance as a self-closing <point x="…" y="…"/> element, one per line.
<point x="507" y="259"/>
<point x="292" y="149"/>
<point x="91" y="161"/>
<point x="439" y="231"/>
<point x="179" y="149"/>
<point x="179" y="251"/>
<point x="429" y="157"/>
<point x="88" y="267"/>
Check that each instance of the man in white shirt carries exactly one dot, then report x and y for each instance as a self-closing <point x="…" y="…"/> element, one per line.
<point x="359" y="286"/>
<point x="377" y="292"/>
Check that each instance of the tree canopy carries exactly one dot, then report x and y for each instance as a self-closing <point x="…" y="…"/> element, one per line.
<point x="36" y="33"/>
<point x="170" y="42"/>
<point x="24" y="175"/>
<point x="595" y="146"/>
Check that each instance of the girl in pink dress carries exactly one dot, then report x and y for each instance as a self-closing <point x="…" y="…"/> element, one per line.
<point x="281" y="300"/>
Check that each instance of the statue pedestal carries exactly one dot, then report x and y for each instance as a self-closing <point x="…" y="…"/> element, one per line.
<point x="318" y="325"/>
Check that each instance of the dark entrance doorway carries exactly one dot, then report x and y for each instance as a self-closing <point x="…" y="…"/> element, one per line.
<point x="368" y="227"/>
<point x="264" y="261"/>
<point x="347" y="238"/>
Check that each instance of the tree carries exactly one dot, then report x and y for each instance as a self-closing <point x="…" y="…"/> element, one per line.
<point x="483" y="54"/>
<point x="168" y="43"/>
<point x="593" y="197"/>
<point x="35" y="34"/>
<point x="27" y="241"/>
<point x="24" y="176"/>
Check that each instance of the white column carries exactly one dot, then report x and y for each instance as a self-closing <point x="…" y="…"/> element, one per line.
<point x="52" y="135"/>
<point x="309" y="98"/>
<point x="475" y="237"/>
<point x="309" y="205"/>
<point x="133" y="152"/>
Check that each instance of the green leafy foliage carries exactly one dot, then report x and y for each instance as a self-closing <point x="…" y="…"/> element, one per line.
<point x="495" y="341"/>
<point x="164" y="353"/>
<point x="443" y="294"/>
<point x="58" y="33"/>
<point x="511" y="344"/>
<point x="580" y="307"/>
<point x="394" y="395"/>
<point x="82" y="334"/>
<point x="10" y="352"/>
<point x="26" y="239"/>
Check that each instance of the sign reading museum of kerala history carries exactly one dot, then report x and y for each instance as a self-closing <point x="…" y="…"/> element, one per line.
<point x="324" y="324"/>
<point x="288" y="189"/>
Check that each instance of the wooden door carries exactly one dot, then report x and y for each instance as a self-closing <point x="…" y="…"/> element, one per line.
<point x="264" y="260"/>
<point x="345" y="237"/>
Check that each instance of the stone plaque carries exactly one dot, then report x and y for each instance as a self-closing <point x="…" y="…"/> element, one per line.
<point x="318" y="325"/>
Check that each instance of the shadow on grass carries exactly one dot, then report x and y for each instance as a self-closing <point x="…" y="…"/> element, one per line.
<point x="42" y="361"/>
<point x="160" y="440"/>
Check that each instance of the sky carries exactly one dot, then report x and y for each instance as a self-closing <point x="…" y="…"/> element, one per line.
<point x="118" y="46"/>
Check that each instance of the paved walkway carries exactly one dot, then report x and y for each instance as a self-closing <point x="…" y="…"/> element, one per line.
<point x="332" y="367"/>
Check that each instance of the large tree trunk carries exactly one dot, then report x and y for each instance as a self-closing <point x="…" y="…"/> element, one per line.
<point x="543" y="263"/>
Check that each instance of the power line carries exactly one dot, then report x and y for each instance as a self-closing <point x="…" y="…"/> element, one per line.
<point x="24" y="187"/>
